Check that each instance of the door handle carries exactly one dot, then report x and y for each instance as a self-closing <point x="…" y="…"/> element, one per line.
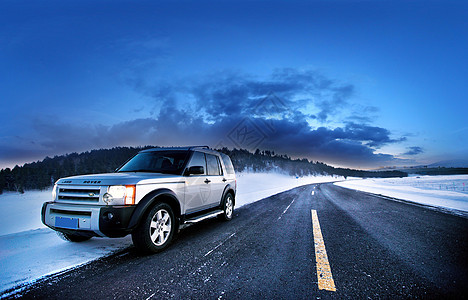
<point x="224" y="179"/>
<point x="207" y="181"/>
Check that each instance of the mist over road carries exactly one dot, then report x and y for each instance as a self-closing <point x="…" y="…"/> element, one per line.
<point x="375" y="248"/>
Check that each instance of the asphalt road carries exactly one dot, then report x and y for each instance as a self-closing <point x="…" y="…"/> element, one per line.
<point x="376" y="248"/>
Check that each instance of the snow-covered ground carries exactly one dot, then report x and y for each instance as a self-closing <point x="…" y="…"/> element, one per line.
<point x="29" y="250"/>
<point x="448" y="191"/>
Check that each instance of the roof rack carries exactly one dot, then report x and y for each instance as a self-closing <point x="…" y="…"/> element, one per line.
<point x="174" y="148"/>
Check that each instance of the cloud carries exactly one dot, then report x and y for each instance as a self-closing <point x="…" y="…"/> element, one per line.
<point x="363" y="114"/>
<point x="414" y="151"/>
<point x="373" y="136"/>
<point x="348" y="146"/>
<point x="351" y="145"/>
<point x="242" y="111"/>
<point x="234" y="93"/>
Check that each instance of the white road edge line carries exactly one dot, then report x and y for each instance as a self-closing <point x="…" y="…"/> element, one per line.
<point x="209" y="252"/>
<point x="324" y="274"/>
<point x="279" y="218"/>
<point x="152" y="295"/>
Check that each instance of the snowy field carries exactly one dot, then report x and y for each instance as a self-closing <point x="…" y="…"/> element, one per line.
<point x="448" y="191"/>
<point x="30" y="251"/>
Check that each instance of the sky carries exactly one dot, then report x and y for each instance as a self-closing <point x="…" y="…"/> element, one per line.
<point x="360" y="84"/>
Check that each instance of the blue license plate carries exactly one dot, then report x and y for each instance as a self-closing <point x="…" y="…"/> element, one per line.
<point x="64" y="222"/>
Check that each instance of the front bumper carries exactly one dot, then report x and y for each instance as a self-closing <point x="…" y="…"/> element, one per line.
<point x="91" y="220"/>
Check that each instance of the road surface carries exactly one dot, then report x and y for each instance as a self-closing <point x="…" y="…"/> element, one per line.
<point x="361" y="245"/>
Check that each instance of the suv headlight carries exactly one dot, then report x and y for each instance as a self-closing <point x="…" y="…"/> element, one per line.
<point x="120" y="194"/>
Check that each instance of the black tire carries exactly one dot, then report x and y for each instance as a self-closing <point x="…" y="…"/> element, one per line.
<point x="156" y="230"/>
<point x="72" y="237"/>
<point x="227" y="207"/>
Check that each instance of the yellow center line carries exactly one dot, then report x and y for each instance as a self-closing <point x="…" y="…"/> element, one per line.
<point x="324" y="274"/>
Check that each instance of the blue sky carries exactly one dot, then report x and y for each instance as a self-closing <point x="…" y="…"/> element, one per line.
<point x="352" y="83"/>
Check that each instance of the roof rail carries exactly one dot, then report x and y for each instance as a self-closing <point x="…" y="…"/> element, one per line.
<point x="190" y="148"/>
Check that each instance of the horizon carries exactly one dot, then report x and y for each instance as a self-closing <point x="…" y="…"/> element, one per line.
<point x="353" y="84"/>
<point x="462" y="162"/>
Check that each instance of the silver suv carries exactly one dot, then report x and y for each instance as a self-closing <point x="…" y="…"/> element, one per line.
<point x="152" y="196"/>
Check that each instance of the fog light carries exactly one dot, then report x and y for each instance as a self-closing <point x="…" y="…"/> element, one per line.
<point x="110" y="215"/>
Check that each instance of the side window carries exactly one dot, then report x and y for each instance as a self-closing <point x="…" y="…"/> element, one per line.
<point x="227" y="163"/>
<point x="212" y="165"/>
<point x="220" y="168"/>
<point x="198" y="159"/>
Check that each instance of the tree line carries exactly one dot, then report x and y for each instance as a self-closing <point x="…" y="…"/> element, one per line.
<point x="266" y="160"/>
<point x="43" y="174"/>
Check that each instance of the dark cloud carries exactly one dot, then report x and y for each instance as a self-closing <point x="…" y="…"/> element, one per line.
<point x="414" y="150"/>
<point x="18" y="153"/>
<point x="234" y="110"/>
<point x="60" y="137"/>
<point x="347" y="146"/>
<point x="373" y="136"/>
<point x="351" y="145"/>
<point x="231" y="93"/>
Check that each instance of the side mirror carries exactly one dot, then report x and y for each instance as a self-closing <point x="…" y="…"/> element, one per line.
<point x="196" y="170"/>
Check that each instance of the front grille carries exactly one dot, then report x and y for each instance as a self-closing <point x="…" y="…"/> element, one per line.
<point x="75" y="198"/>
<point x="79" y="191"/>
<point x="77" y="194"/>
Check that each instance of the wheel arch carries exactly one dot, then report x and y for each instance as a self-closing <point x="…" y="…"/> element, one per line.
<point x="229" y="189"/>
<point x="156" y="196"/>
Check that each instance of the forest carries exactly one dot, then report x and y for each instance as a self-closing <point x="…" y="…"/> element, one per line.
<point x="42" y="174"/>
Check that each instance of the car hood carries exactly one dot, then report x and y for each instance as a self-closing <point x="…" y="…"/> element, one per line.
<point x="121" y="179"/>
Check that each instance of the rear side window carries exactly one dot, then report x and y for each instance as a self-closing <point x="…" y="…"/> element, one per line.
<point x="213" y="166"/>
<point x="228" y="164"/>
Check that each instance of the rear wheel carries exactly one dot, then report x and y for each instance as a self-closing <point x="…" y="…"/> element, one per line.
<point x="72" y="237"/>
<point x="156" y="230"/>
<point x="228" y="207"/>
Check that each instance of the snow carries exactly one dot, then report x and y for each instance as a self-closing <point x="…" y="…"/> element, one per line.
<point x="30" y="255"/>
<point x="30" y="251"/>
<point x="21" y="212"/>
<point x="447" y="191"/>
<point x="252" y="187"/>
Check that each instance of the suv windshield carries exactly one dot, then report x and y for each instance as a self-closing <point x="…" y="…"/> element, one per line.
<point x="167" y="162"/>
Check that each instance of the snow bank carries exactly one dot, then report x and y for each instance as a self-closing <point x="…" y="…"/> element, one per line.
<point x="449" y="192"/>
<point x="21" y="212"/>
<point x="29" y="250"/>
<point x="30" y="255"/>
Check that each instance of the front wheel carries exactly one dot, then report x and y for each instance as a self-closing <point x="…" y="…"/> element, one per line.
<point x="228" y="207"/>
<point x="156" y="230"/>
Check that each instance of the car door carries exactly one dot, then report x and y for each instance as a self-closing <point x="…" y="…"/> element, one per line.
<point x="217" y="181"/>
<point x="197" y="188"/>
